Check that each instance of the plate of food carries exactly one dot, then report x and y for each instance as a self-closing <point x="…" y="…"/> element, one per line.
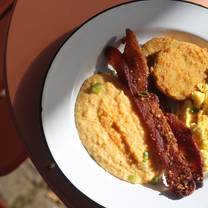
<point x="125" y="106"/>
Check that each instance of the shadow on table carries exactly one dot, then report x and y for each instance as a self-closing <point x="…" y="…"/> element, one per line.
<point x="27" y="107"/>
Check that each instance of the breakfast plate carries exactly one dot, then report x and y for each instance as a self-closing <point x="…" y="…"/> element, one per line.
<point x="80" y="57"/>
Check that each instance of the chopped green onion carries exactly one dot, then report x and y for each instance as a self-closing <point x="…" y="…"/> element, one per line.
<point x="96" y="88"/>
<point x="194" y="110"/>
<point x="155" y="180"/>
<point x="143" y="94"/>
<point x="145" y="156"/>
<point x="113" y="72"/>
<point x="132" y="178"/>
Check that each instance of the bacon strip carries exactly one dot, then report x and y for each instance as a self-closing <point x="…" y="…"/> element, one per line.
<point x="188" y="146"/>
<point x="133" y="67"/>
<point x="139" y="72"/>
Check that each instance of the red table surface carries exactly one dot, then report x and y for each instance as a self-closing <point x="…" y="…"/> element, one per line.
<point x="12" y="151"/>
<point x="37" y="30"/>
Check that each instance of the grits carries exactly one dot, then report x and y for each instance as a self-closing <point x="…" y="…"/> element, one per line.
<point x="112" y="132"/>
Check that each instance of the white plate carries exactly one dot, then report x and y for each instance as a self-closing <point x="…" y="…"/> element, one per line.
<point x="80" y="57"/>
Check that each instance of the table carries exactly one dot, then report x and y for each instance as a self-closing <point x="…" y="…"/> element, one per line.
<point x="37" y="30"/>
<point x="12" y="149"/>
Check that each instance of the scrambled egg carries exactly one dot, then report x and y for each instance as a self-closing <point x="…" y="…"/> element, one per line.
<point x="195" y="115"/>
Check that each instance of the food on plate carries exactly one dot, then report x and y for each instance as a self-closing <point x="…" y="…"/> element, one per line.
<point x="112" y="132"/>
<point x="132" y="66"/>
<point x="177" y="71"/>
<point x="123" y="125"/>
<point x="155" y="45"/>
<point x="176" y="62"/>
<point x="194" y="113"/>
<point x="187" y="145"/>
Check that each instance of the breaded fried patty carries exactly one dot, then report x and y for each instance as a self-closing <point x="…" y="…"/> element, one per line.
<point x="177" y="70"/>
<point x="157" y="44"/>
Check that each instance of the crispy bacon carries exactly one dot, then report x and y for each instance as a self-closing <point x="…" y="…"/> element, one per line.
<point x="131" y="67"/>
<point x="115" y="59"/>
<point x="139" y="72"/>
<point x="188" y="146"/>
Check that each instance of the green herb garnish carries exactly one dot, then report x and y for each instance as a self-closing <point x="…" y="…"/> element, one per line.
<point x="113" y="72"/>
<point x="143" y="94"/>
<point x="194" y="110"/>
<point x="96" y="88"/>
<point x="145" y="156"/>
<point x="155" y="180"/>
<point x="132" y="178"/>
